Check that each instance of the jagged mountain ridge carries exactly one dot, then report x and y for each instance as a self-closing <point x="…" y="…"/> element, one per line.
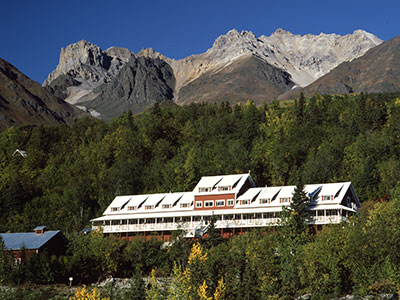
<point x="82" y="67"/>
<point x="376" y="71"/>
<point x="140" y="83"/>
<point x="282" y="61"/>
<point x="25" y="102"/>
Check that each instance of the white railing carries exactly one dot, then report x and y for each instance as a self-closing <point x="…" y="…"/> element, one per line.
<point x="190" y="226"/>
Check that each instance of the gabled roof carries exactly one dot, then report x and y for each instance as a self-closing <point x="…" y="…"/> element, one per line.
<point x="123" y="202"/>
<point x="229" y="180"/>
<point x="27" y="240"/>
<point x="171" y="198"/>
<point x="174" y="199"/>
<point x="286" y="191"/>
<point x="118" y="202"/>
<point x="154" y="199"/>
<point x="250" y="194"/>
<point x="137" y="200"/>
<point x="270" y="192"/>
<point x="236" y="182"/>
<point x="331" y="189"/>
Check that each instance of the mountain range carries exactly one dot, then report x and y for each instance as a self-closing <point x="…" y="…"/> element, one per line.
<point x="238" y="67"/>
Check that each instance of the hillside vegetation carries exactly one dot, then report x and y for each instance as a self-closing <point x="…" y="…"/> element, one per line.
<point x="71" y="174"/>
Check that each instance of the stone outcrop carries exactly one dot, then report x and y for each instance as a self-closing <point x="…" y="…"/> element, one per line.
<point x="82" y="67"/>
<point x="376" y="71"/>
<point x="139" y="84"/>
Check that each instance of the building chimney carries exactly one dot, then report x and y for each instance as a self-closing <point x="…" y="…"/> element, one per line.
<point x="40" y="229"/>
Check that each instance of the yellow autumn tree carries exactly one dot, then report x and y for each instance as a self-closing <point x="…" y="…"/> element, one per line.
<point x="155" y="290"/>
<point x="202" y="292"/>
<point x="191" y="283"/>
<point x="219" y="293"/>
<point x="84" y="294"/>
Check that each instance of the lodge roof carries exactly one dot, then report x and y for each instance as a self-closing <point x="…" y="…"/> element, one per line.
<point x="237" y="183"/>
<point x="27" y="240"/>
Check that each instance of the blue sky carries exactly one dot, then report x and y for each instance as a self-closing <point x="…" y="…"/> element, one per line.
<point x="33" y="32"/>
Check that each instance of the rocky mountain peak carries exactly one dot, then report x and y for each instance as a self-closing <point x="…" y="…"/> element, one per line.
<point x="123" y="54"/>
<point x="281" y="31"/>
<point x="82" y="67"/>
<point x="151" y="53"/>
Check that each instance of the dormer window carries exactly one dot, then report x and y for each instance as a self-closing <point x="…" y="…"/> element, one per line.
<point x="326" y="198"/>
<point x="285" y="199"/>
<point x="224" y="188"/>
<point x="265" y="201"/>
<point x="244" y="202"/>
<point x="132" y="207"/>
<point x="204" y="190"/>
<point x="148" y="207"/>
<point x="184" y="205"/>
<point x="166" y="206"/>
<point x="114" y="208"/>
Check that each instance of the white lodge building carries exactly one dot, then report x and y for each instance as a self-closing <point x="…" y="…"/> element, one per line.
<point x="234" y="202"/>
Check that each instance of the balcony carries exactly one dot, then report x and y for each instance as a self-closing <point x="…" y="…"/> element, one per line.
<point x="244" y="222"/>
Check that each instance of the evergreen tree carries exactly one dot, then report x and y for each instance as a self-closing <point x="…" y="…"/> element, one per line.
<point x="298" y="208"/>
<point x="214" y="237"/>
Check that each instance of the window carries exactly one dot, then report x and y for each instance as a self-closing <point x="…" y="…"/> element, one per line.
<point x="223" y="188"/>
<point x="219" y="202"/>
<point x="285" y="200"/>
<point x="238" y="217"/>
<point x="114" y="208"/>
<point x="348" y="202"/>
<point x="229" y="202"/>
<point x="148" y="207"/>
<point x="199" y="204"/>
<point x="204" y="190"/>
<point x="185" y="205"/>
<point x="268" y="215"/>
<point x="209" y="203"/>
<point x="327" y="198"/>
<point x="265" y="201"/>
<point x="244" y="202"/>
<point x="17" y="261"/>
<point x="132" y="207"/>
<point x="166" y="206"/>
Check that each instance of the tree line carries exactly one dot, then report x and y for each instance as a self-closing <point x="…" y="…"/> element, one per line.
<point x="71" y="174"/>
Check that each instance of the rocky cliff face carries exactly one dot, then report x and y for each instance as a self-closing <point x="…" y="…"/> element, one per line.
<point x="83" y="66"/>
<point x="139" y="84"/>
<point x="25" y="102"/>
<point x="305" y="58"/>
<point x="376" y="71"/>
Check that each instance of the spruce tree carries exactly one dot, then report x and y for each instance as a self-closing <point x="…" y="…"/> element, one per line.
<point x="298" y="208"/>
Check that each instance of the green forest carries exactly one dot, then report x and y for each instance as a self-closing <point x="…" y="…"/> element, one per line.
<point x="71" y="174"/>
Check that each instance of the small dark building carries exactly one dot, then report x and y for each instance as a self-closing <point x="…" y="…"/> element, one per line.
<point x="28" y="243"/>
